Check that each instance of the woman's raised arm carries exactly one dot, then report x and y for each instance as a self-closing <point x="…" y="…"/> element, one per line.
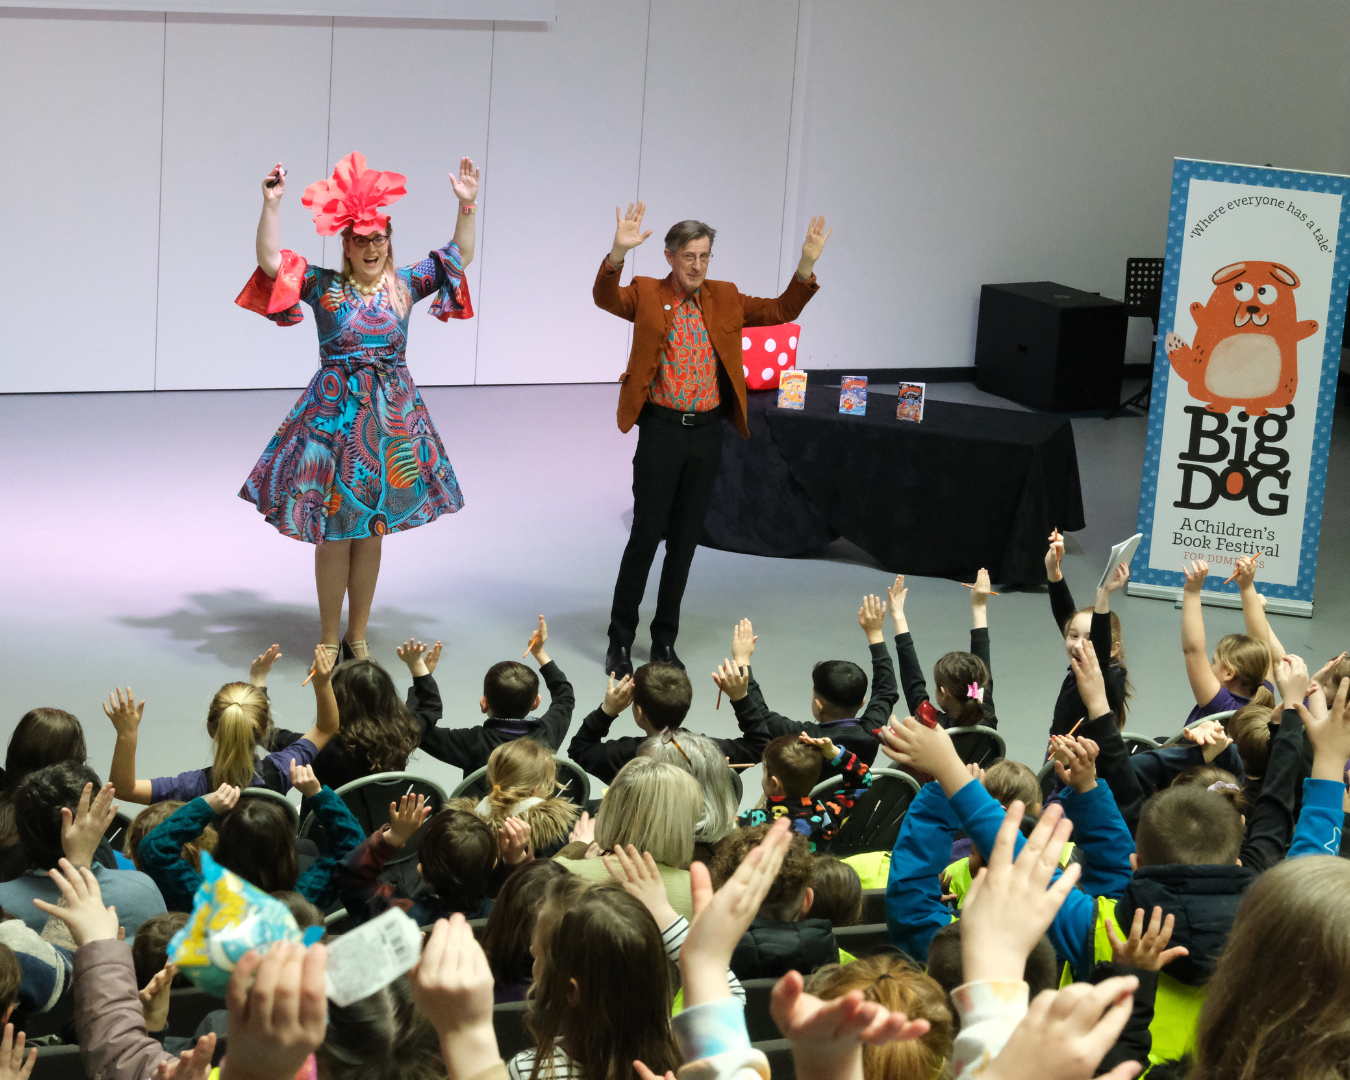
<point x="269" y="228"/>
<point x="466" y="190"/>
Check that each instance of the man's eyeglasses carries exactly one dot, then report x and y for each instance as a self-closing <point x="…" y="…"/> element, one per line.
<point x="378" y="239"/>
<point x="689" y="258"/>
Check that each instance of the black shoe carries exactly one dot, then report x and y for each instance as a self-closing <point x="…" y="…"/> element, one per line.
<point x="345" y="652"/>
<point x="618" y="662"/>
<point x="665" y="654"/>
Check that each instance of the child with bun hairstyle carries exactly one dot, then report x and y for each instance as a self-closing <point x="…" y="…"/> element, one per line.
<point x="239" y="721"/>
<point x="524" y="779"/>
<point x="1098" y="624"/>
<point x="963" y="681"/>
<point x="1238" y="672"/>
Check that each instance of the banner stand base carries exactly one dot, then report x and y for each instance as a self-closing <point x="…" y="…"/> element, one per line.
<point x="1274" y="605"/>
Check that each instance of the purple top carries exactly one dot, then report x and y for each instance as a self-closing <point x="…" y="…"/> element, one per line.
<point x="1224" y="701"/>
<point x="192" y="785"/>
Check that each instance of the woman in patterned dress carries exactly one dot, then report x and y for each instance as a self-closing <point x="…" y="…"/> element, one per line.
<point x="358" y="456"/>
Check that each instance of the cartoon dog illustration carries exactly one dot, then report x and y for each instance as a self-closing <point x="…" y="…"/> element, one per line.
<point x="1246" y="340"/>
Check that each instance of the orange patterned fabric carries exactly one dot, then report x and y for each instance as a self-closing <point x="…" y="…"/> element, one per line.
<point x="687" y="378"/>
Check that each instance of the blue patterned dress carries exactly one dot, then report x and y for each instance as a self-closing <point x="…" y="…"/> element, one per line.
<point x="358" y="455"/>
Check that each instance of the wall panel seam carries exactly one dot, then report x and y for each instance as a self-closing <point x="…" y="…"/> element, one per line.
<point x="159" y="201"/>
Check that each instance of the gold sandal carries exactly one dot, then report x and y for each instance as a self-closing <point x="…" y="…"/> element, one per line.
<point x="359" y="649"/>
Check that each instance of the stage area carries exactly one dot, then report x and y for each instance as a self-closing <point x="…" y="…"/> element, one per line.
<point x="128" y="560"/>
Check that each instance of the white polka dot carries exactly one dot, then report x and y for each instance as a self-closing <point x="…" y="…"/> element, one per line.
<point x="746" y="370"/>
<point x="766" y="374"/>
<point x="770" y="345"/>
<point x="745" y="343"/>
<point x="792" y="341"/>
<point x="782" y="359"/>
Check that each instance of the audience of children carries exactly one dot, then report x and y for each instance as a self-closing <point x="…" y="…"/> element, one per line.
<point x="1196" y="924"/>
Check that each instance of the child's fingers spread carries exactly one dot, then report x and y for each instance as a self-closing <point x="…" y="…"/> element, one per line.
<point x="237" y="994"/>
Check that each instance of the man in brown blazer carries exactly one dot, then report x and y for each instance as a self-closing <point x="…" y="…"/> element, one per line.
<point x="685" y="374"/>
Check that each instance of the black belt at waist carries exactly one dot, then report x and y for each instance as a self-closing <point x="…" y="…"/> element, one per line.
<point x="685" y="419"/>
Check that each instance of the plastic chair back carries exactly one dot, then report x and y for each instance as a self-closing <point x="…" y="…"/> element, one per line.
<point x="368" y="799"/>
<point x="874" y="822"/>
<point x="1220" y="716"/>
<point x="508" y="1021"/>
<point x="863" y="940"/>
<point x="292" y="811"/>
<point x="758" y="1021"/>
<point x="978" y="745"/>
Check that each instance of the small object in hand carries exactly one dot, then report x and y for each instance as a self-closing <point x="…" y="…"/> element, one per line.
<point x="1076" y="727"/>
<point x="719" y="698"/>
<point x="534" y="640"/>
<point x="309" y="676"/>
<point x="926" y="714"/>
<point x="276" y="177"/>
<point x="1228" y="579"/>
<point x="968" y="585"/>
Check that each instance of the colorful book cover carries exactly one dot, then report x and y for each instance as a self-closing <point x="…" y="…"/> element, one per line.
<point x="853" y="395"/>
<point x="909" y="401"/>
<point x="792" y="390"/>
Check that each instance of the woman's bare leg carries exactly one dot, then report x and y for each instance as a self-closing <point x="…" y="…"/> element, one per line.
<point x="332" y="567"/>
<point x="364" y="572"/>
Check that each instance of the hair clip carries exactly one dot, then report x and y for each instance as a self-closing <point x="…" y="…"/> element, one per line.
<point x="1222" y="785"/>
<point x="668" y="737"/>
<point x="976" y="691"/>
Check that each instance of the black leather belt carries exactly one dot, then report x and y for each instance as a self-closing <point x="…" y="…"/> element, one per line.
<point x="684" y="419"/>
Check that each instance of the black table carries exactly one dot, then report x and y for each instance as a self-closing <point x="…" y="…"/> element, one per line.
<point x="969" y="487"/>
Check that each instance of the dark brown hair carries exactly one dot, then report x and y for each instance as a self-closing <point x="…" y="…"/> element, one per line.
<point x="945" y="964"/>
<point x="1007" y="780"/>
<point x="305" y="913"/>
<point x="795" y="876"/>
<point x="38" y="801"/>
<point x="150" y="947"/>
<point x="458" y="852"/>
<point x="375" y="722"/>
<point x="601" y="939"/>
<point x="510" y="924"/>
<point x="1188" y="826"/>
<point x="895" y="983"/>
<point x="954" y="673"/>
<point x="838" y="892"/>
<point x="380" y="1037"/>
<point x="42" y="737"/>
<point x="510" y="688"/>
<point x="11" y="975"/>
<point x="841" y="686"/>
<point x="1278" y="1002"/>
<point x="1205" y="776"/>
<point x="664" y="693"/>
<point x="257" y="842"/>
<point x="1249" y="728"/>
<point x="793" y="763"/>
<point x="148" y="819"/>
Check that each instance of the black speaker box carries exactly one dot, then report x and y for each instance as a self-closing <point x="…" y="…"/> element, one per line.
<point x="1050" y="346"/>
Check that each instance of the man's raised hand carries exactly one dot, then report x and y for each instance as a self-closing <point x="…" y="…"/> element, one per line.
<point x="628" y="233"/>
<point x="814" y="244"/>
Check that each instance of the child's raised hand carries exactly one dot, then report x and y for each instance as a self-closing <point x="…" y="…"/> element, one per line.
<point x="638" y="875"/>
<point x="1210" y="735"/>
<point x="257" y="671"/>
<point x="452" y="986"/>
<point x="1244" y="572"/>
<point x="732" y="680"/>
<point x="1149" y="950"/>
<point x="123" y="711"/>
<point x="618" y="695"/>
<point x="1054" y="553"/>
<point x="413" y="653"/>
<point x="513" y="841"/>
<point x="278" y="1018"/>
<point x="405" y="818"/>
<point x="895" y="600"/>
<point x="583" y="830"/>
<point x="537" y="639"/>
<point x="1195" y="572"/>
<point x="1118" y="580"/>
<point x="155" y="997"/>
<point x="823" y="745"/>
<point x="304" y="780"/>
<point x="191" y="1064"/>
<point x="224" y="798"/>
<point x="1076" y="762"/>
<point x="323" y="665"/>
<point x="1291" y="676"/>
<point x="82" y="910"/>
<point x="743" y="640"/>
<point x="1066" y="1033"/>
<point x="12" y="1063"/>
<point x="1091" y="681"/>
<point x="1325" y="670"/>
<point x="929" y="750"/>
<point x="82" y="831"/>
<point x="722" y="918"/>
<point x="979" y="593"/>
<point x="433" y="657"/>
<point x="975" y="771"/>
<point x="1330" y="737"/>
<point x="1011" y="903"/>
<point x="872" y="617"/>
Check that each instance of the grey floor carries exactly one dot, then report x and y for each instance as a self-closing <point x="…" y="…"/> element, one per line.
<point x="128" y="560"/>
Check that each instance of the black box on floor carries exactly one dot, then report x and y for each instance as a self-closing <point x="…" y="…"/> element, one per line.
<point x="1049" y="346"/>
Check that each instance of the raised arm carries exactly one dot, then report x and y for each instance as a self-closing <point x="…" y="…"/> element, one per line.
<point x="466" y="190"/>
<point x="269" y="226"/>
<point x="1204" y="683"/>
<point x="1254" y="613"/>
<point x="326" y="726"/>
<point x="125" y="714"/>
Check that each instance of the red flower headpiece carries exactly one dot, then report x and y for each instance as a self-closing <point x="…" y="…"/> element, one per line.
<point x="353" y="197"/>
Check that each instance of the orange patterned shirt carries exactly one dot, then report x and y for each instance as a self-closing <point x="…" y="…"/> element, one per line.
<point x="687" y="378"/>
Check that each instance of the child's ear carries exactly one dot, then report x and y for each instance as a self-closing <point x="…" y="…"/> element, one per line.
<point x="537" y="700"/>
<point x="419" y="869"/>
<point x="807" y="901"/>
<point x="1134" y="861"/>
<point x="573" y="992"/>
<point x="483" y="705"/>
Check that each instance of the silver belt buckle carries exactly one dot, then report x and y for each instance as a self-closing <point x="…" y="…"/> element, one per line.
<point x="687" y="419"/>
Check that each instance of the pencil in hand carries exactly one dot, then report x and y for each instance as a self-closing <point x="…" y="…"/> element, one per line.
<point x="968" y="585"/>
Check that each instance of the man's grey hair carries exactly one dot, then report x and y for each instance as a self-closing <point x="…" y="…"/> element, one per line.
<point x="683" y="232"/>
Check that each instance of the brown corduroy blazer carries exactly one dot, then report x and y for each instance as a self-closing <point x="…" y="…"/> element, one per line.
<point x="648" y="303"/>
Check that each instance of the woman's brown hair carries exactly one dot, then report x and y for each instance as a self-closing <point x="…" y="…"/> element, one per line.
<point x="42" y="737"/>
<point x="955" y="673"/>
<point x="257" y="842"/>
<point x="375" y="722"/>
<point x="238" y="719"/>
<point x="894" y="982"/>
<point x="1250" y="660"/>
<point x="1279" y="1001"/>
<point x="510" y="924"/>
<point x="603" y="939"/>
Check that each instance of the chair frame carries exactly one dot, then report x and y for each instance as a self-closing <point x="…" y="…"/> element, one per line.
<point x="1212" y="716"/>
<point x="565" y="763"/>
<point x="877" y="774"/>
<point x="277" y="797"/>
<point x="980" y="729"/>
<point x="311" y="820"/>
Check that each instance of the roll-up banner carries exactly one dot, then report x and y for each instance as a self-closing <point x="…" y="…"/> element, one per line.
<point x="1244" y="380"/>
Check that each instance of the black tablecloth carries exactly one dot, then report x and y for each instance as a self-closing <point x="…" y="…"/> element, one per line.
<point x="969" y="487"/>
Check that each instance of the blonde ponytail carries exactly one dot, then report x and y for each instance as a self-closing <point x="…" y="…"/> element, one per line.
<point x="238" y="719"/>
<point x="518" y="770"/>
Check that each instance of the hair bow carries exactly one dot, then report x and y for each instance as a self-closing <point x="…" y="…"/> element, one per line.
<point x="353" y="196"/>
<point x="976" y="691"/>
<point x="1222" y="785"/>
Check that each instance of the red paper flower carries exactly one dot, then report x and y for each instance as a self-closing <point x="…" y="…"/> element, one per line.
<point x="353" y="197"/>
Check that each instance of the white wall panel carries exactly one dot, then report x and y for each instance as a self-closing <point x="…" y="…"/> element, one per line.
<point x="241" y="93"/>
<point x="563" y="147"/>
<point x="79" y="131"/>
<point x="413" y="97"/>
<point x="715" y="132"/>
<point x="955" y="144"/>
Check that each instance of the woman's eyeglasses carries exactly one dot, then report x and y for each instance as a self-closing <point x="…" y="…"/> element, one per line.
<point x="378" y="239"/>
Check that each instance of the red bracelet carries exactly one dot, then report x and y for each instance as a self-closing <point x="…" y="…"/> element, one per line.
<point x="467" y="208"/>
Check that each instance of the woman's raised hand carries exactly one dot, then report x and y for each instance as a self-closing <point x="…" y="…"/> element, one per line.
<point x="123" y="711"/>
<point x="465" y="182"/>
<point x="272" y="195"/>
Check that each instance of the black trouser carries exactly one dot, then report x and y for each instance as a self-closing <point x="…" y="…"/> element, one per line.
<point x="674" y="470"/>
